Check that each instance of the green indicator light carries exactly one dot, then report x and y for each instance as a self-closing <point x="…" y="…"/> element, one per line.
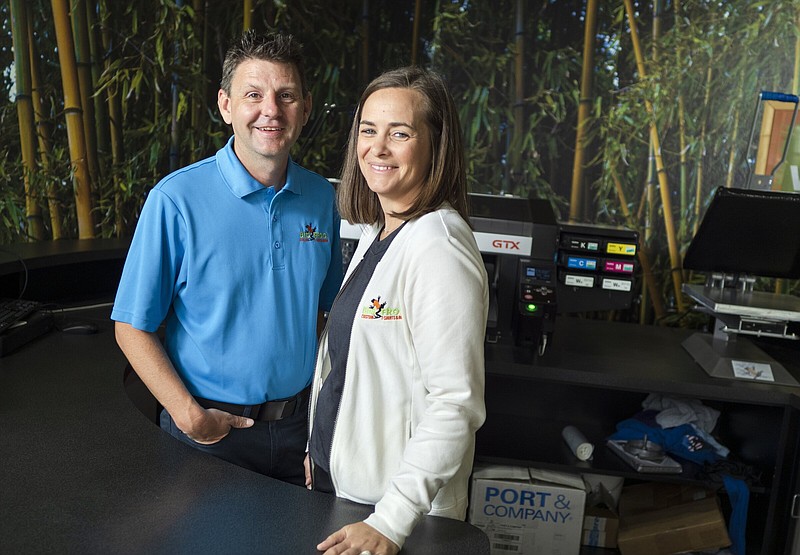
<point x="530" y="307"/>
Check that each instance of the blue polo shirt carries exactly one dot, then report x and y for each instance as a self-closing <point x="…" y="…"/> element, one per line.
<point x="237" y="273"/>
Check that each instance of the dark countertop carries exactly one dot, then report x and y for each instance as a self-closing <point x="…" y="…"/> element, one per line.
<point x="42" y="254"/>
<point x="84" y="471"/>
<point x="632" y="357"/>
<point x="67" y="271"/>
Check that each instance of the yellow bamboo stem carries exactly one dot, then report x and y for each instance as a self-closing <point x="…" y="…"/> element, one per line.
<point x="656" y="27"/>
<point x="576" y="196"/>
<point x="74" y="120"/>
<point x="40" y="112"/>
<point x="666" y="203"/>
<point x="247" y="22"/>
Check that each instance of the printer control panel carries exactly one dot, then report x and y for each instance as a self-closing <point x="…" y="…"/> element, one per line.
<point x="536" y="302"/>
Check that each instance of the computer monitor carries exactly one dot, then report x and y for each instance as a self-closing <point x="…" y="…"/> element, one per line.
<point x="746" y="231"/>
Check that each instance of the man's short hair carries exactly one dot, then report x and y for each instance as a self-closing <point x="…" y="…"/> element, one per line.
<point x="271" y="47"/>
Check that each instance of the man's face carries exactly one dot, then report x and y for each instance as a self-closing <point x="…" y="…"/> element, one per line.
<point x="267" y="110"/>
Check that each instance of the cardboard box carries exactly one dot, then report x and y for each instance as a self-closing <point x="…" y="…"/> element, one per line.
<point x="649" y="496"/>
<point x="662" y="519"/>
<point x="600" y="520"/>
<point x="528" y="511"/>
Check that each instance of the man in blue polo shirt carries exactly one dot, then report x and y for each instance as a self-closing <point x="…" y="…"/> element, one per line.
<point x="237" y="255"/>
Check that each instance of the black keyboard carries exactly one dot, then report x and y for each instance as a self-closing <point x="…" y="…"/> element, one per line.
<point x="14" y="310"/>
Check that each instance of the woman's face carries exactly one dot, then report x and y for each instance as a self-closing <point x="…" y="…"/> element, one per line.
<point x="394" y="146"/>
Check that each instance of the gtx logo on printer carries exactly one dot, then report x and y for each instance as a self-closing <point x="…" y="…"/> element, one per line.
<point x="503" y="244"/>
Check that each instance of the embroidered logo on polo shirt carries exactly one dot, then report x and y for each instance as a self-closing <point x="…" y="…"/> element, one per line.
<point x="310" y="233"/>
<point x="377" y="310"/>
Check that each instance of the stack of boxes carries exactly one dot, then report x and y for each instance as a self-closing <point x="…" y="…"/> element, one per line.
<point x="526" y="511"/>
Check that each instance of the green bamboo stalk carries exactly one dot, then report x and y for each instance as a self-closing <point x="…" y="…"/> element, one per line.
<point x="101" y="128"/>
<point x="651" y="185"/>
<point x="698" y="191"/>
<point x="25" y="115"/>
<point x="735" y="132"/>
<point x="114" y="103"/>
<point x="682" y="142"/>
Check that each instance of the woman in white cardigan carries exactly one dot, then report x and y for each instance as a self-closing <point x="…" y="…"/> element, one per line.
<point x="398" y="389"/>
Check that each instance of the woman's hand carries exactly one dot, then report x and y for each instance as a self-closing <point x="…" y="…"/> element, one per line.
<point x="358" y="538"/>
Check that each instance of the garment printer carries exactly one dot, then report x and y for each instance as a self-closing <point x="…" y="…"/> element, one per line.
<point x="538" y="267"/>
<point x="517" y="239"/>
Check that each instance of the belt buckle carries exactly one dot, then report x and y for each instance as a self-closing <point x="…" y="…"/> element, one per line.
<point x="279" y="409"/>
<point x="274" y="410"/>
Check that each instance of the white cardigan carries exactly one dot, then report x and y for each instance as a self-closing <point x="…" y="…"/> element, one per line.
<point x="412" y="401"/>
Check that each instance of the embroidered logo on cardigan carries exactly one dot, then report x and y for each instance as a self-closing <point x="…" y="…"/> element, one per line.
<point x="377" y="310"/>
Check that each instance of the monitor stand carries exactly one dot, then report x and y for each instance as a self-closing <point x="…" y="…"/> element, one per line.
<point x="736" y="358"/>
<point x="727" y="353"/>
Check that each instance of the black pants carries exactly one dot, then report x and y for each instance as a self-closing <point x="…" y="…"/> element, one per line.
<point x="275" y="449"/>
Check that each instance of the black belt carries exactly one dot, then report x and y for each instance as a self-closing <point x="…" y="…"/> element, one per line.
<point x="269" y="411"/>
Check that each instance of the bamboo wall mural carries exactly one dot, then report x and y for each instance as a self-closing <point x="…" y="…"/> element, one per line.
<point x="553" y="98"/>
